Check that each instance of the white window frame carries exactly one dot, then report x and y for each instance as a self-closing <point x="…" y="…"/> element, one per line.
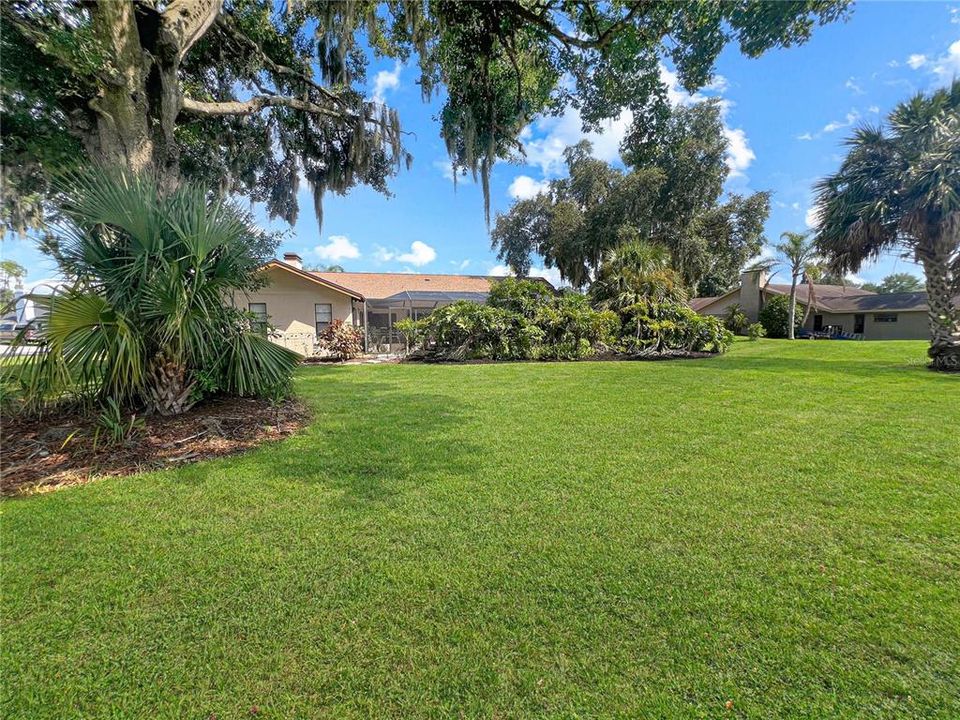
<point x="319" y="324"/>
<point x="260" y="324"/>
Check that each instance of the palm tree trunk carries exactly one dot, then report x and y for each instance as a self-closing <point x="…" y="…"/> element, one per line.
<point x="944" y="317"/>
<point x="792" y="312"/>
<point x="168" y="391"/>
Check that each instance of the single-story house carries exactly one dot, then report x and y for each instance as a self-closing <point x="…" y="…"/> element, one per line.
<point x="300" y="303"/>
<point x="834" y="309"/>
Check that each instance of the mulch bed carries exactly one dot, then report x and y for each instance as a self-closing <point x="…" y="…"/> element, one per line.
<point x="432" y="359"/>
<point x="37" y="454"/>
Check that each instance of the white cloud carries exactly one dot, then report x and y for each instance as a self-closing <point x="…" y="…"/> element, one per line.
<point x="767" y="253"/>
<point x="525" y="187"/>
<point x="917" y="60"/>
<point x="551" y="275"/>
<point x="462" y="265"/>
<point x="805" y="136"/>
<point x="854" y="279"/>
<point x="873" y="109"/>
<point x="719" y="84"/>
<point x="947" y="66"/>
<point x="419" y="254"/>
<point x="739" y="154"/>
<point x="811" y="217"/>
<point x="547" y="137"/>
<point x="556" y="134"/>
<point x="339" y="247"/>
<point x="851" y="85"/>
<point x="386" y="80"/>
<point x="795" y="206"/>
<point x="955" y="15"/>
<point x="894" y="63"/>
<point x="849" y="120"/>
<point x="446" y="169"/>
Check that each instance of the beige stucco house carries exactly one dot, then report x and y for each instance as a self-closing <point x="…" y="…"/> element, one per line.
<point x="834" y="309"/>
<point x="298" y="304"/>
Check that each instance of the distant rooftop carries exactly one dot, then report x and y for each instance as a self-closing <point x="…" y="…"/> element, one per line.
<point x="387" y="285"/>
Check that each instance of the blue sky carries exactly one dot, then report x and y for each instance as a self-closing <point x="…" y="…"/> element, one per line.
<point x="786" y="116"/>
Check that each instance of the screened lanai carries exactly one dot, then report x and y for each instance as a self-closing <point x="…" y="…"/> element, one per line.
<point x="382" y="314"/>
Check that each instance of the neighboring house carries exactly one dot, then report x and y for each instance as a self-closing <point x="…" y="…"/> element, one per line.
<point x="834" y="309"/>
<point x="300" y="303"/>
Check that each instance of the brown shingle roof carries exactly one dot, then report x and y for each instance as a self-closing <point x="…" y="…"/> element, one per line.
<point x="383" y="285"/>
<point x="822" y="293"/>
<point x="701" y="302"/>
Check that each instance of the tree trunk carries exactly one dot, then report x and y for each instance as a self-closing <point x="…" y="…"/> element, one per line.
<point x="168" y="391"/>
<point x="135" y="110"/>
<point x="944" y="318"/>
<point x="792" y="311"/>
<point x="121" y="135"/>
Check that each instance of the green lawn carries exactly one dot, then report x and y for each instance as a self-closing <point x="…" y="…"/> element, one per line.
<point x="779" y="527"/>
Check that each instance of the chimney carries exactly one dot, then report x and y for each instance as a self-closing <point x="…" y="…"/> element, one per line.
<point x="751" y="282"/>
<point x="294" y="260"/>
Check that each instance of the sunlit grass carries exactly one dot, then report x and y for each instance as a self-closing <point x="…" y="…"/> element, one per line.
<point x="777" y="527"/>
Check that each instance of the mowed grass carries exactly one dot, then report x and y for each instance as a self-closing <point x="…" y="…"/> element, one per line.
<point x="778" y="527"/>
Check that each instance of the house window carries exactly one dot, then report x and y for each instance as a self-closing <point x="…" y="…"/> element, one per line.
<point x="885" y="317"/>
<point x="259" y="322"/>
<point x="818" y="323"/>
<point x="323" y="314"/>
<point x="858" y="324"/>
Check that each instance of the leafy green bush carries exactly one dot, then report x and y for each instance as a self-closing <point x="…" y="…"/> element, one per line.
<point x="572" y="329"/>
<point x="146" y="316"/>
<point x="665" y="326"/>
<point x="111" y="429"/>
<point x="756" y="331"/>
<point x="343" y="341"/>
<point x="775" y="316"/>
<point x="467" y="330"/>
<point x="735" y="320"/>
<point x="524" y="322"/>
<point x="523" y="297"/>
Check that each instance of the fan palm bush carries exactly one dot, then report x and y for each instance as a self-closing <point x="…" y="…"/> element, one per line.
<point x="899" y="187"/>
<point x="149" y="311"/>
<point x="633" y="272"/>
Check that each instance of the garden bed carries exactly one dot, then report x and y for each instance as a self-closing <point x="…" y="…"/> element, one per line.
<point x="435" y="359"/>
<point x="45" y="454"/>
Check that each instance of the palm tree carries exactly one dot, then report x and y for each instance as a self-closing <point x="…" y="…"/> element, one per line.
<point x="800" y="254"/>
<point x="899" y="187"/>
<point x="635" y="271"/>
<point x="148" y="321"/>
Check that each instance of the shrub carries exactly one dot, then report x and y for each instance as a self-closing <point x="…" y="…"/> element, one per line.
<point x="735" y="320"/>
<point x="145" y="317"/>
<point x="467" y="330"/>
<point x="775" y="316"/>
<point x="111" y="429"/>
<point x="343" y="341"/>
<point x="523" y="297"/>
<point x="665" y="326"/>
<point x="572" y="329"/>
<point x="756" y="331"/>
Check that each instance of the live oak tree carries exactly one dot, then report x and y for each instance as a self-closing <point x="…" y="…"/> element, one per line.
<point x="670" y="196"/>
<point x="248" y="96"/>
<point x="896" y="283"/>
<point x="899" y="188"/>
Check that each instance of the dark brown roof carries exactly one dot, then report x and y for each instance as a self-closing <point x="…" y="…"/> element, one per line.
<point x="701" y="302"/>
<point x="822" y="293"/>
<point x="887" y="302"/>
<point x="383" y="285"/>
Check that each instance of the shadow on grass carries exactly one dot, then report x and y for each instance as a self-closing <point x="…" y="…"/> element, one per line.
<point x="369" y="440"/>
<point x="866" y="368"/>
